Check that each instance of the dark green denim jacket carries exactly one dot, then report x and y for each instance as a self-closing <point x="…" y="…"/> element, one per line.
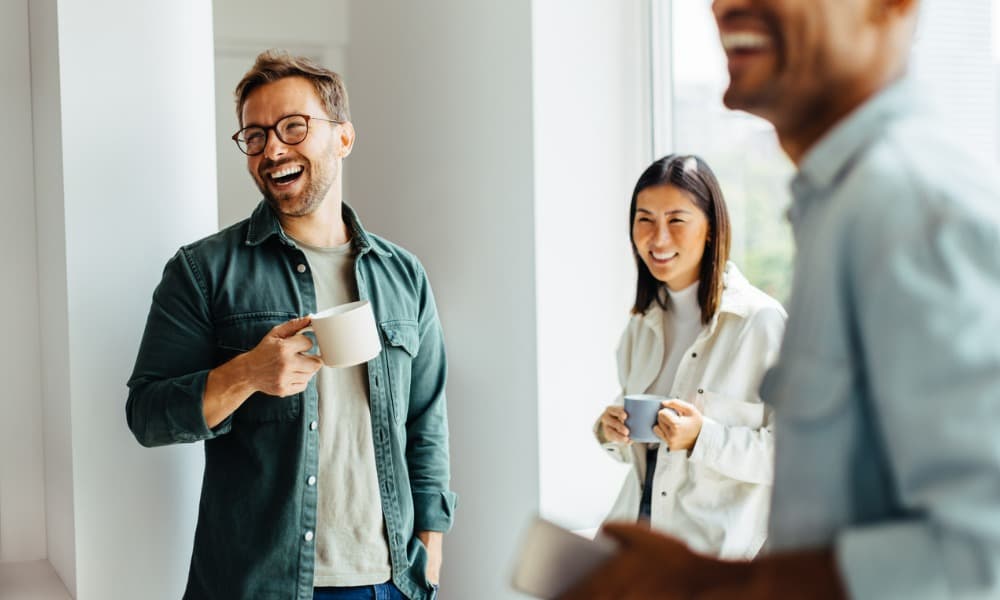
<point x="218" y="297"/>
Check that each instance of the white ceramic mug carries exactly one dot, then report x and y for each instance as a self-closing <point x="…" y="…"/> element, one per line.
<point x="346" y="334"/>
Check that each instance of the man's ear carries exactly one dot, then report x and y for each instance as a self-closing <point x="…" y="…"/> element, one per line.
<point x="346" y="136"/>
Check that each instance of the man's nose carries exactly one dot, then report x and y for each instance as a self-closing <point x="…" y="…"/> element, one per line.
<point x="274" y="148"/>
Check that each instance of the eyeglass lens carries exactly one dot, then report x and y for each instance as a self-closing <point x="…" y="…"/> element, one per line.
<point x="290" y="130"/>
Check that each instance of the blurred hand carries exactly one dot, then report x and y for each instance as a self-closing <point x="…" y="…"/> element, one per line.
<point x="651" y="566"/>
<point x="679" y="430"/>
<point x="613" y="425"/>
<point x="648" y="566"/>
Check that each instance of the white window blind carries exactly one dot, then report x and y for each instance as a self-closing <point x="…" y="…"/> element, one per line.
<point x="954" y="56"/>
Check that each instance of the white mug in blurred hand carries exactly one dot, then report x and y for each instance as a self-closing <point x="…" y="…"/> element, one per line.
<point x="346" y="334"/>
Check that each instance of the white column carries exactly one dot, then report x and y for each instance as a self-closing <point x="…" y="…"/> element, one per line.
<point x="22" y="506"/>
<point x="125" y="173"/>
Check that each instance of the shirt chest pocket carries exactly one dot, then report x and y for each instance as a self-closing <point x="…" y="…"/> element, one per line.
<point x="238" y="334"/>
<point x="401" y="342"/>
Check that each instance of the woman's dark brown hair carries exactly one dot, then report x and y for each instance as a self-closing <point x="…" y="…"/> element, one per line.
<point x="691" y="175"/>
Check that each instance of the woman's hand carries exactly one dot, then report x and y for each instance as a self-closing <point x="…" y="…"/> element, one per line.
<point x="613" y="425"/>
<point x="678" y="429"/>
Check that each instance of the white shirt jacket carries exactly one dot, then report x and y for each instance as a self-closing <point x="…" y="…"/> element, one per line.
<point x="717" y="498"/>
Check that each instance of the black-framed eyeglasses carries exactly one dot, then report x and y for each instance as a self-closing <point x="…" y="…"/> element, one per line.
<point x="290" y="129"/>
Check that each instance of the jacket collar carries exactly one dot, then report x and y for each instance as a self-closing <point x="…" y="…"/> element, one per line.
<point x="264" y="224"/>
<point x="734" y="301"/>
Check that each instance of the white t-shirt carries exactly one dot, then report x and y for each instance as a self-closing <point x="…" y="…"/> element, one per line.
<point x="351" y="545"/>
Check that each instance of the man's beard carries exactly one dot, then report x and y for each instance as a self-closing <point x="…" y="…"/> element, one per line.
<point x="306" y="201"/>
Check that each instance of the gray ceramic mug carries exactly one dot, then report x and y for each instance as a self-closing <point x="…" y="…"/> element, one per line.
<point x="641" y="411"/>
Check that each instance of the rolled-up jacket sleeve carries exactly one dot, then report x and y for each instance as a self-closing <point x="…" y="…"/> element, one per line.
<point x="736" y="451"/>
<point x="167" y="385"/>
<point x="926" y="295"/>
<point x="623" y="354"/>
<point x="427" y="451"/>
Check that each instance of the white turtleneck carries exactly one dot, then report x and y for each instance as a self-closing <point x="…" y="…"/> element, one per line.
<point x="681" y="326"/>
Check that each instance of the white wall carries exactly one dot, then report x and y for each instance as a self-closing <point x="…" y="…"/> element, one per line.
<point x="22" y="495"/>
<point x="128" y="178"/>
<point x="310" y="26"/>
<point x="591" y="142"/>
<point x="441" y="100"/>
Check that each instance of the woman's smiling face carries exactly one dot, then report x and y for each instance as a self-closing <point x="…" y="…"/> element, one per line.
<point x="669" y="233"/>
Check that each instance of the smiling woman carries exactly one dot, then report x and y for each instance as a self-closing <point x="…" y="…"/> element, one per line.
<point x="700" y="337"/>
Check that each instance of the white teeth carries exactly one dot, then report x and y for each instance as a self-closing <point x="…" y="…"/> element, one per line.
<point x="291" y="170"/>
<point x="745" y="40"/>
<point x="664" y="256"/>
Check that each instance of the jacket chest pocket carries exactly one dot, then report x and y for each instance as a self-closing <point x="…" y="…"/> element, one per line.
<point x="733" y="411"/>
<point x="238" y="334"/>
<point x="401" y="343"/>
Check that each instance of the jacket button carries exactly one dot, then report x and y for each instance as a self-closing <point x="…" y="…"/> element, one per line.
<point x="664" y="494"/>
<point x="694" y="355"/>
<point x="313" y="425"/>
<point x="300" y="268"/>
<point x="311" y="480"/>
<point x="308" y="536"/>
<point x="701" y="391"/>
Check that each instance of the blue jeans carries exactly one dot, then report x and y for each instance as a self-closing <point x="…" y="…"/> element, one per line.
<point x="380" y="591"/>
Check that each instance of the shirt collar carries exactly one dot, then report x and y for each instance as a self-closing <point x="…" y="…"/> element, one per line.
<point x="826" y="162"/>
<point x="264" y="224"/>
<point x="734" y="292"/>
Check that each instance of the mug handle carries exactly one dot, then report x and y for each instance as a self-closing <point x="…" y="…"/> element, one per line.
<point x="310" y="329"/>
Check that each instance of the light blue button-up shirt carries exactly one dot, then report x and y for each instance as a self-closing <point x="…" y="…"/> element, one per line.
<point x="887" y="391"/>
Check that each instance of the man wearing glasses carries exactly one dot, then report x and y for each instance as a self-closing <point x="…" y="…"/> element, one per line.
<point x="319" y="482"/>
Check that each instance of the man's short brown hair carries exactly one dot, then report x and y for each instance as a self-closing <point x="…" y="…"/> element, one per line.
<point x="272" y="65"/>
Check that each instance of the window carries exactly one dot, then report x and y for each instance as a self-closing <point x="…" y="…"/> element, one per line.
<point x="689" y="118"/>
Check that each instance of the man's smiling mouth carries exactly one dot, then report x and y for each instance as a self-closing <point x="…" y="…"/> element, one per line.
<point x="285" y="175"/>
